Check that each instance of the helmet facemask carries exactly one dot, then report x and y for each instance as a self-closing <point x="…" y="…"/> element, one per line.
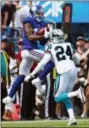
<point x="57" y="36"/>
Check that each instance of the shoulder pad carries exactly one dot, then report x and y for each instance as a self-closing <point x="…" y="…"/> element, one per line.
<point x="27" y="20"/>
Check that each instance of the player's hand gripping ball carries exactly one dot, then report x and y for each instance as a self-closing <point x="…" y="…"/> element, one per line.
<point x="42" y="31"/>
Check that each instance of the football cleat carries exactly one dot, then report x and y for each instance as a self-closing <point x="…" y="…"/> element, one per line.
<point x="72" y="122"/>
<point x="7" y="100"/>
<point x="27" y="78"/>
<point x="38" y="85"/>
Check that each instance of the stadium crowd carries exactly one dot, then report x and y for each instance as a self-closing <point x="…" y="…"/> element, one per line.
<point x="28" y="102"/>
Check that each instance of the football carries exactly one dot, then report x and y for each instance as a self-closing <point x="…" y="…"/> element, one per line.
<point x="42" y="31"/>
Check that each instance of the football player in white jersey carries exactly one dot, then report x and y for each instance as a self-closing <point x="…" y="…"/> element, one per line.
<point x="61" y="53"/>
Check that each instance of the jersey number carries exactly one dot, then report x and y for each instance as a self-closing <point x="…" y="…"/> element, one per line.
<point x="60" y="53"/>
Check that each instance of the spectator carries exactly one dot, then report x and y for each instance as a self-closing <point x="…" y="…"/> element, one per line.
<point x="16" y="16"/>
<point x="80" y="44"/>
<point x="5" y="73"/>
<point x="87" y="43"/>
<point x="80" y="47"/>
<point x="13" y="69"/>
<point x="4" y="43"/>
<point x="7" y="14"/>
<point x="85" y="65"/>
<point x="22" y="12"/>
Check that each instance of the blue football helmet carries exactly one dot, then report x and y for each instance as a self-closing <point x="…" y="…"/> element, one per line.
<point x="39" y="13"/>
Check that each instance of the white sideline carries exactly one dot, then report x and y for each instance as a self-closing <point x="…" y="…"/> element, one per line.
<point x="42" y="121"/>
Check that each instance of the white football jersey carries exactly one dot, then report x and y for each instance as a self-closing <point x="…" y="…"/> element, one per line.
<point x="61" y="55"/>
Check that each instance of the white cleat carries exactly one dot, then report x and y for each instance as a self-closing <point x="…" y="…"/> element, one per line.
<point x="27" y="78"/>
<point x="7" y="100"/>
<point x="37" y="83"/>
<point x="81" y="95"/>
<point x="72" y="122"/>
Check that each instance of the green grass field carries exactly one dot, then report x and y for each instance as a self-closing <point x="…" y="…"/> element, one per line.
<point x="44" y="123"/>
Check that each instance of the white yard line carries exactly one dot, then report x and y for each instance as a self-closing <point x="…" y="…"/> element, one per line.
<point x="40" y="121"/>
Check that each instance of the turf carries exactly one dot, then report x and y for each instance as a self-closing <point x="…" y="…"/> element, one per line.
<point x="44" y="123"/>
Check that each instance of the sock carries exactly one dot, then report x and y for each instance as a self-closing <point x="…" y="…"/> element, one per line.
<point x="71" y="113"/>
<point x="69" y="108"/>
<point x="48" y="68"/>
<point x="72" y="94"/>
<point x="16" y="85"/>
<point x="61" y="97"/>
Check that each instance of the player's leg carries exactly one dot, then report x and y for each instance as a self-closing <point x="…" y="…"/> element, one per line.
<point x="66" y="85"/>
<point x="48" y="68"/>
<point x="65" y="97"/>
<point x="61" y="87"/>
<point x="68" y="102"/>
<point x="37" y="55"/>
<point x="62" y="96"/>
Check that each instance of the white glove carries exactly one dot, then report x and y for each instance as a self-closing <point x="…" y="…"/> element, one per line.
<point x="28" y="77"/>
<point x="48" y="33"/>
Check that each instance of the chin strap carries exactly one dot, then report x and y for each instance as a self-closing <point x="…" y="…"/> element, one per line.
<point x="39" y="20"/>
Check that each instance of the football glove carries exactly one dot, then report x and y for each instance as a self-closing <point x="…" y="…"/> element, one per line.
<point x="48" y="34"/>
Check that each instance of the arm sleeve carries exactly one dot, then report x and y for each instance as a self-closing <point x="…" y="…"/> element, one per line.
<point x="42" y="63"/>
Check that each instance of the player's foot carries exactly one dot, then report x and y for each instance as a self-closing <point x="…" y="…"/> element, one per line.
<point x="7" y="100"/>
<point x="81" y="95"/>
<point x="27" y="78"/>
<point x="8" y="103"/>
<point x="84" y="115"/>
<point x="72" y="122"/>
<point x="7" y="115"/>
<point x="37" y="83"/>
